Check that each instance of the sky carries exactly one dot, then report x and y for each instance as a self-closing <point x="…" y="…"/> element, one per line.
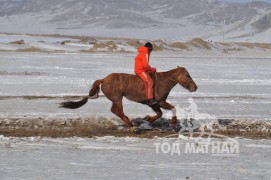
<point x="246" y="0"/>
<point x="241" y="1"/>
<point x="231" y="0"/>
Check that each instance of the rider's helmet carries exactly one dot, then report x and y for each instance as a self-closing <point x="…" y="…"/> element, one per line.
<point x="149" y="46"/>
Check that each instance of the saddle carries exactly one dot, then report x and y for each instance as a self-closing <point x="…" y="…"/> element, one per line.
<point x="155" y="83"/>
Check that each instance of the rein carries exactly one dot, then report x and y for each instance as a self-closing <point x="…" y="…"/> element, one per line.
<point x="172" y="79"/>
<point x="157" y="83"/>
<point x="156" y="86"/>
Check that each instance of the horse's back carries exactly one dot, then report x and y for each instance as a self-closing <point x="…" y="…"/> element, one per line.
<point x="122" y="84"/>
<point x="117" y="77"/>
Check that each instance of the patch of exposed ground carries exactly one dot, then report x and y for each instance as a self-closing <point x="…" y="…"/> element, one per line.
<point x="199" y="43"/>
<point x="113" y="44"/>
<point x="20" y="42"/>
<point x="31" y="49"/>
<point x="90" y="127"/>
<point x="25" y="73"/>
<point x="179" y="45"/>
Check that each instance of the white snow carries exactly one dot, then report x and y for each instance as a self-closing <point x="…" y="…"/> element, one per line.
<point x="119" y="158"/>
<point x="229" y="84"/>
<point x="233" y="85"/>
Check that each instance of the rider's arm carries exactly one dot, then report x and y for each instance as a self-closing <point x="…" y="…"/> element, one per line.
<point x="145" y="60"/>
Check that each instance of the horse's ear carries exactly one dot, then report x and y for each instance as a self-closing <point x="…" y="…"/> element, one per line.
<point x="182" y="69"/>
<point x="179" y="69"/>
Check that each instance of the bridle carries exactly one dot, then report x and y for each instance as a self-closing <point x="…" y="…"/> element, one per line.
<point x="170" y="78"/>
<point x="185" y="84"/>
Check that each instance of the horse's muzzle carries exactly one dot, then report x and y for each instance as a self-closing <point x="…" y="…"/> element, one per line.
<point x="193" y="88"/>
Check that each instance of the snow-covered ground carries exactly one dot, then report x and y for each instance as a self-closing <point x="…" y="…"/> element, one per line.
<point x="233" y="86"/>
<point x="127" y="158"/>
<point x="229" y="87"/>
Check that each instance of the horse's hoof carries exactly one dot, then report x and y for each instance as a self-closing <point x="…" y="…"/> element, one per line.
<point x="173" y="120"/>
<point x="147" y="118"/>
<point x="136" y="130"/>
<point x="177" y="128"/>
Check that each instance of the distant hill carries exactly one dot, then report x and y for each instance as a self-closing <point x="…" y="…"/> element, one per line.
<point x="56" y="43"/>
<point x="180" y="20"/>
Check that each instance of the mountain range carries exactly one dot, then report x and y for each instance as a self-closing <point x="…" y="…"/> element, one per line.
<point x="149" y="19"/>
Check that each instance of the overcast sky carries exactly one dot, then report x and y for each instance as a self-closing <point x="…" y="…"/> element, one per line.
<point x="242" y="1"/>
<point x="246" y="0"/>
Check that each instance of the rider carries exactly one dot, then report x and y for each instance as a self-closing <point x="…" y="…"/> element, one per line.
<point x="142" y="69"/>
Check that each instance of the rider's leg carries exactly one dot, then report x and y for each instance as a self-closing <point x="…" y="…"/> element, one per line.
<point x="148" y="84"/>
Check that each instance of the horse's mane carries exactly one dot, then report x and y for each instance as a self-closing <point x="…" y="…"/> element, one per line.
<point x="160" y="74"/>
<point x="168" y="73"/>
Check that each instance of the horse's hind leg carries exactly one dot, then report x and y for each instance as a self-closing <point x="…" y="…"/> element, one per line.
<point x="167" y="106"/>
<point x="155" y="108"/>
<point x="117" y="109"/>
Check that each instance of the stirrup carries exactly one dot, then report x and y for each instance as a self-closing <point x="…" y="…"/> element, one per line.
<point x="151" y="102"/>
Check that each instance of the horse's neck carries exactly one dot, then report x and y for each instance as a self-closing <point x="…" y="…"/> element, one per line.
<point x="169" y="76"/>
<point x="166" y="81"/>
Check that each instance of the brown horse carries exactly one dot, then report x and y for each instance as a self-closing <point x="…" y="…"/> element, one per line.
<point x="115" y="86"/>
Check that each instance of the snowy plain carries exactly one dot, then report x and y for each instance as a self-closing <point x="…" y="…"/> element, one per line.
<point x="233" y="86"/>
<point x="229" y="87"/>
<point x="126" y="158"/>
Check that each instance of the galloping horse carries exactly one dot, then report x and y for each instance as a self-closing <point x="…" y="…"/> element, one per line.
<point x="115" y="86"/>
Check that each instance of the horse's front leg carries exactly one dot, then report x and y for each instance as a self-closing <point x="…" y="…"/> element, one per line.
<point x="157" y="110"/>
<point x="117" y="109"/>
<point x="167" y="106"/>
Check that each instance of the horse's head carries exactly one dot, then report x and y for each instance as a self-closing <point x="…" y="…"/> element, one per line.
<point x="186" y="80"/>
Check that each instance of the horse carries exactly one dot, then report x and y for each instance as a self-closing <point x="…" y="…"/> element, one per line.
<point x="115" y="86"/>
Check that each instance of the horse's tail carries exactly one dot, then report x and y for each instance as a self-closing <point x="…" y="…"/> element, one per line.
<point x="93" y="93"/>
<point x="95" y="89"/>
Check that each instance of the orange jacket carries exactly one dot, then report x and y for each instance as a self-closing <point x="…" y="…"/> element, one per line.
<point x="142" y="60"/>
